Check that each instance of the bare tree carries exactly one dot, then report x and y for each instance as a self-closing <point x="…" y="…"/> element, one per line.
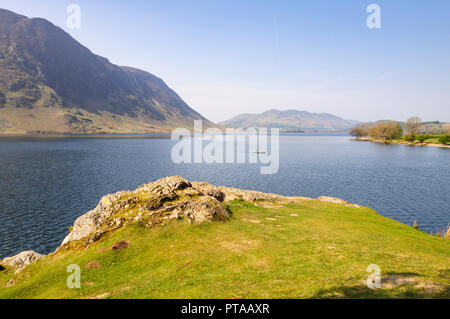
<point x="412" y="125"/>
<point x="386" y="131"/>
<point x="359" y="131"/>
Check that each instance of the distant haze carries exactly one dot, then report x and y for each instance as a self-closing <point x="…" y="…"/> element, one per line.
<point x="230" y="57"/>
<point x="292" y="120"/>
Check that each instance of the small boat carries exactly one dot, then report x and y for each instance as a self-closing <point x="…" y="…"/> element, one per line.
<point x="259" y="152"/>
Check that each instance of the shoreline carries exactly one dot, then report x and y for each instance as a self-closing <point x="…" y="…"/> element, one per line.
<point x="131" y="135"/>
<point x="93" y="135"/>
<point x="150" y="234"/>
<point x="399" y="142"/>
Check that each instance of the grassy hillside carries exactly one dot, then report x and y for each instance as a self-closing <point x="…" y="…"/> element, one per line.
<point x="305" y="249"/>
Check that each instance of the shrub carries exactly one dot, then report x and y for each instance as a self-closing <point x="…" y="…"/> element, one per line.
<point x="359" y="131"/>
<point x="409" y="138"/>
<point x="386" y="131"/>
<point x="412" y="125"/>
<point x="444" y="139"/>
<point x="422" y="138"/>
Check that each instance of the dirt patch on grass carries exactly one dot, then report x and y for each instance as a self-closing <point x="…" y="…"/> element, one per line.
<point x="102" y="296"/>
<point x="294" y="215"/>
<point x="93" y="265"/>
<point x="102" y="250"/>
<point x="270" y="218"/>
<point x="402" y="256"/>
<point x="238" y="246"/>
<point x="121" y="245"/>
<point x="268" y="205"/>
<point x="254" y="221"/>
<point x="261" y="264"/>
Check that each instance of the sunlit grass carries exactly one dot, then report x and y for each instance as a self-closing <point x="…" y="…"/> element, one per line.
<point x="303" y="250"/>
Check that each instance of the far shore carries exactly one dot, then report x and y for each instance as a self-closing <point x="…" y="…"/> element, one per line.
<point x="397" y="141"/>
<point x="49" y="135"/>
<point x="93" y="135"/>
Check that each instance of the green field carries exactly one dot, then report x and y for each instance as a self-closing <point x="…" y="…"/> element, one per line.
<point x="443" y="139"/>
<point x="309" y="249"/>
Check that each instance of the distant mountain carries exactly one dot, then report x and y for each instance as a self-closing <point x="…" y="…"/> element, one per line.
<point x="51" y="83"/>
<point x="292" y="120"/>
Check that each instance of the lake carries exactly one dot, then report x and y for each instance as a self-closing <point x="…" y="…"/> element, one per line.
<point x="46" y="183"/>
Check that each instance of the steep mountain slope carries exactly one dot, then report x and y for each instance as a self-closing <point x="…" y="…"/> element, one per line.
<point x="292" y="120"/>
<point x="51" y="83"/>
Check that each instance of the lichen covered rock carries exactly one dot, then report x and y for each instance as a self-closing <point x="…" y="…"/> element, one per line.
<point x="210" y="190"/>
<point x="170" y="198"/>
<point x="22" y="259"/>
<point x="337" y="201"/>
<point x="206" y="208"/>
<point x="165" y="186"/>
<point x="165" y="200"/>
<point x="92" y="220"/>
<point x="250" y="196"/>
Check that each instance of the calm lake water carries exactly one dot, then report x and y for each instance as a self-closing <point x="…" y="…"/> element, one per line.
<point x="45" y="184"/>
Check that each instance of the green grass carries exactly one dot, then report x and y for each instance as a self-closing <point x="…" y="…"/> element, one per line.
<point x="431" y="139"/>
<point x="323" y="252"/>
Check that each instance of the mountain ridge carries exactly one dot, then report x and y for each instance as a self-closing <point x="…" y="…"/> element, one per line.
<point x="50" y="83"/>
<point x="292" y="119"/>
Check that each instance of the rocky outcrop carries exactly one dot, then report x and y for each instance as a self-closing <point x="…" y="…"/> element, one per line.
<point x="337" y="201"/>
<point x="170" y="198"/>
<point x="249" y="196"/>
<point x="227" y="194"/>
<point x="210" y="190"/>
<point x="159" y="202"/>
<point x="22" y="259"/>
<point x="94" y="219"/>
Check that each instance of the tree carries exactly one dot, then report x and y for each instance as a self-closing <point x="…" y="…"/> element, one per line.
<point x="386" y="131"/>
<point x="444" y="139"/>
<point x="422" y="138"/>
<point x="359" y="131"/>
<point x="412" y="125"/>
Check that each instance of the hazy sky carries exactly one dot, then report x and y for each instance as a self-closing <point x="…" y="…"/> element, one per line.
<point x="229" y="57"/>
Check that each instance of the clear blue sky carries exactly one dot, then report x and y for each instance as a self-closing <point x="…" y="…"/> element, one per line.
<point x="229" y="57"/>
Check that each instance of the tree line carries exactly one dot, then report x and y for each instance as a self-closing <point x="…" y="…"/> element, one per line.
<point x="393" y="130"/>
